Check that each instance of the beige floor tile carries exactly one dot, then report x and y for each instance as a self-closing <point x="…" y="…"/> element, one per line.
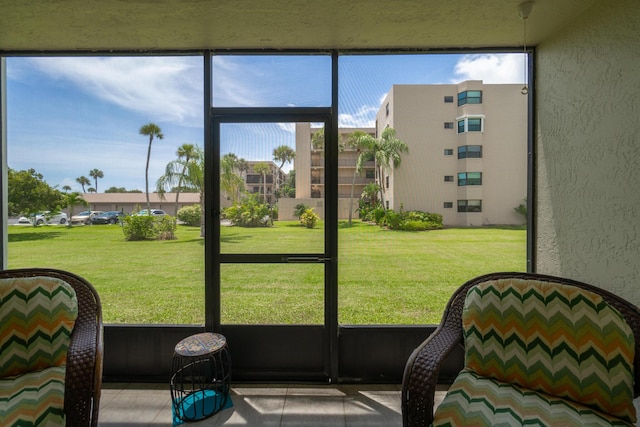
<point x="149" y="405"/>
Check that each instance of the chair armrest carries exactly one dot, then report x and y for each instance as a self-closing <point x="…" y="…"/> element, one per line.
<point x="421" y="375"/>
<point x="84" y="375"/>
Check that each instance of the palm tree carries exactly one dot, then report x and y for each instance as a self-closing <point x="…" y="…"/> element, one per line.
<point x="362" y="142"/>
<point x="188" y="173"/>
<point x="151" y="130"/>
<point x="263" y="169"/>
<point x="284" y="154"/>
<point x="317" y="139"/>
<point x="66" y="188"/>
<point x="370" y="193"/>
<point x="70" y="201"/>
<point x="243" y="166"/>
<point x="91" y="190"/>
<point x="386" y="153"/>
<point x="185" y="153"/>
<point x="95" y="174"/>
<point x="230" y="182"/>
<point x="83" y="180"/>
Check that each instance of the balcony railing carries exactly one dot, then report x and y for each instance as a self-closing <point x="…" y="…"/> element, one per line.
<point x="345" y="180"/>
<point x="348" y="163"/>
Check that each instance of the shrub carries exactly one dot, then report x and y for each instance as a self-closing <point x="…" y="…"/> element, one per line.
<point x="393" y="220"/>
<point x="190" y="215"/>
<point x="165" y="227"/>
<point x="412" y="220"/>
<point x="309" y="218"/>
<point x="138" y="227"/>
<point x="378" y="214"/>
<point x="299" y="210"/>
<point x="146" y="227"/>
<point x="250" y="213"/>
<point x="522" y="210"/>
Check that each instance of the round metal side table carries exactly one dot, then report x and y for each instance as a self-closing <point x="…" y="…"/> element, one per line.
<point x="200" y="376"/>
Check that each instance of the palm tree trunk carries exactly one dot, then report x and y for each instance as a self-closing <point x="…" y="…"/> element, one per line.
<point x="264" y="187"/>
<point x="179" y="187"/>
<point x="384" y="208"/>
<point x="353" y="184"/>
<point x="146" y="175"/>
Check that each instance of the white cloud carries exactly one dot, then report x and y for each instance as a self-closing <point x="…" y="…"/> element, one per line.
<point x="231" y="88"/>
<point x="365" y="116"/>
<point x="490" y="68"/>
<point x="165" y="88"/>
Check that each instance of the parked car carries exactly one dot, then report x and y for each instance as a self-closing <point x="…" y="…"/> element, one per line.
<point x="154" y="212"/>
<point x="44" y="218"/>
<point x="109" y="217"/>
<point x="84" y="217"/>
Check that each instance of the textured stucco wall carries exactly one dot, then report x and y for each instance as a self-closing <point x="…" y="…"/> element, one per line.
<point x="588" y="145"/>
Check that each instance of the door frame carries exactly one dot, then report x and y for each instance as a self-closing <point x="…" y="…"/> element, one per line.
<point x="269" y="341"/>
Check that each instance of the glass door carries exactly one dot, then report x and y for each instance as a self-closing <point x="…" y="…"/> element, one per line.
<point x="272" y="297"/>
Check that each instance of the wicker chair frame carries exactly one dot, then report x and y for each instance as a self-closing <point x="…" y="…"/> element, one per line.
<point x="423" y="366"/>
<point x="83" y="380"/>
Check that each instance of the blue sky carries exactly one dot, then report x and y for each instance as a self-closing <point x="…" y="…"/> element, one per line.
<point x="67" y="116"/>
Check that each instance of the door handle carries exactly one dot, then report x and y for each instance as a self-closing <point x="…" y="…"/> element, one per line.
<point x="307" y="259"/>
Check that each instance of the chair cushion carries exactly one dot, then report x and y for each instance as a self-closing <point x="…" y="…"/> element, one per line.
<point x="38" y="314"/>
<point x="33" y="399"/>
<point x="557" y="339"/>
<point x="477" y="401"/>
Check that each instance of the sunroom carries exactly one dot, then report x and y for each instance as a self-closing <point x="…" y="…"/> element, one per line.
<point x="578" y="61"/>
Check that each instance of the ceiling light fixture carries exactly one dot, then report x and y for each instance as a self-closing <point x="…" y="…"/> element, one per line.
<point x="524" y="9"/>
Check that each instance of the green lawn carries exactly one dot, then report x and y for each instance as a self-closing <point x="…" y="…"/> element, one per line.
<point x="385" y="277"/>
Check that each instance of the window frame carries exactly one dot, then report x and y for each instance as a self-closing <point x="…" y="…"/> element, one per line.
<point x="470" y="205"/>
<point x="464" y="178"/>
<point x="464" y="98"/>
<point x="464" y="121"/>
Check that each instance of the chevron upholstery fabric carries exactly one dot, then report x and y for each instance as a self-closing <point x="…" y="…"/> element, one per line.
<point x="38" y="314"/>
<point x="33" y="399"/>
<point x="477" y="401"/>
<point x="554" y="339"/>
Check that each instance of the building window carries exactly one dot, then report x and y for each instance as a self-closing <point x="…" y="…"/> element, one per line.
<point x="448" y="151"/>
<point x="474" y="124"/>
<point x="470" y="97"/>
<point x="386" y="183"/>
<point x="470" y="124"/>
<point x="469" y="205"/>
<point x="448" y="205"/>
<point x="448" y="125"/>
<point x="448" y="99"/>
<point x="387" y="109"/>
<point x="469" y="178"/>
<point x="448" y="178"/>
<point x="370" y="173"/>
<point x="386" y="204"/>
<point x="470" y="152"/>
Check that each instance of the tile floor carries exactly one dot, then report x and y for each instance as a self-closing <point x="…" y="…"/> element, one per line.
<point x="140" y="405"/>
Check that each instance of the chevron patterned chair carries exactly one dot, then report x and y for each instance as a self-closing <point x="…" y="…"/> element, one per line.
<point x="50" y="349"/>
<point x="538" y="350"/>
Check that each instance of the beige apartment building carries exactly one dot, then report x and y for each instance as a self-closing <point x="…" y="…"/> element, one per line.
<point x="467" y="156"/>
<point x="255" y="182"/>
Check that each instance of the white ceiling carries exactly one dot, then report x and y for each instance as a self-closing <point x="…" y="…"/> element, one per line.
<point x="35" y="25"/>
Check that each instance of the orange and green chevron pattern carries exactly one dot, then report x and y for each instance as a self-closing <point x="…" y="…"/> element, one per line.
<point x="551" y="338"/>
<point x="33" y="399"/>
<point x="37" y="315"/>
<point x="477" y="401"/>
